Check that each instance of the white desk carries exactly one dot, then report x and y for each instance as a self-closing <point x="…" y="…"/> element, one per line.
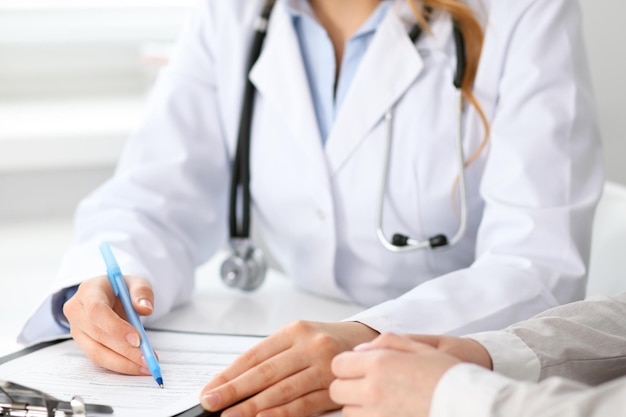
<point x="220" y="309"/>
<point x="30" y="254"/>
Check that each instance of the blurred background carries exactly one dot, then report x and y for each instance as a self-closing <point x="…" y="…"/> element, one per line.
<point x="74" y="75"/>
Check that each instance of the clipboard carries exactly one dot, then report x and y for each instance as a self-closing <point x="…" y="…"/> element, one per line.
<point x="17" y="399"/>
<point x="195" y="411"/>
<point x="20" y="400"/>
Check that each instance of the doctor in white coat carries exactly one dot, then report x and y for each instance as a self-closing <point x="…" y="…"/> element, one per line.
<point x="327" y="75"/>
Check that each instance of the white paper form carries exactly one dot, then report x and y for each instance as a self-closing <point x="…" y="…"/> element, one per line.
<point x="188" y="361"/>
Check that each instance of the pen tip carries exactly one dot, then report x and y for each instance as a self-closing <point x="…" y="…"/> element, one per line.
<point x="161" y="385"/>
<point x="159" y="381"/>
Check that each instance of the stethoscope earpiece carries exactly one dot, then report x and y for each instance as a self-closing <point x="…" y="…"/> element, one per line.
<point x="437" y="241"/>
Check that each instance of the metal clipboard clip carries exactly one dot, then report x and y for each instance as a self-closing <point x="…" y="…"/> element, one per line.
<point x="20" y="401"/>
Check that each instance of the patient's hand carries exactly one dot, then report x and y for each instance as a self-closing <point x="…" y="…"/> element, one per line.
<point x="393" y="376"/>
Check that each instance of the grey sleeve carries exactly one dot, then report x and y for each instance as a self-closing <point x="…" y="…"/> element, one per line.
<point x="470" y="391"/>
<point x="561" y="397"/>
<point x="584" y="341"/>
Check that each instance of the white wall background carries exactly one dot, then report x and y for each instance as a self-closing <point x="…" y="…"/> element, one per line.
<point x="73" y="79"/>
<point x="60" y="135"/>
<point x="605" y="35"/>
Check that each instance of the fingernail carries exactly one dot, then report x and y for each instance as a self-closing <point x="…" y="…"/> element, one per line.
<point x="145" y="303"/>
<point x="233" y="413"/>
<point x="144" y="371"/>
<point x="132" y="339"/>
<point x="211" y="402"/>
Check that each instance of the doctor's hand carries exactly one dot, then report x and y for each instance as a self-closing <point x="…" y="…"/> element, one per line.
<point x="286" y="374"/>
<point x="393" y="376"/>
<point x="98" y="323"/>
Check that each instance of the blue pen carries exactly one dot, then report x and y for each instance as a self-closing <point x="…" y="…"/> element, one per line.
<point x="119" y="288"/>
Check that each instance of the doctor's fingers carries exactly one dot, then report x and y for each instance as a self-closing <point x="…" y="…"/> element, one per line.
<point x="93" y="290"/>
<point x="260" y="353"/>
<point x="130" y="363"/>
<point x="295" y="347"/>
<point x="299" y="338"/>
<point x="97" y="321"/>
<point x="98" y="290"/>
<point x="95" y="310"/>
<point x="108" y="332"/>
<point x="302" y="394"/>
<point x="141" y="294"/>
<point x="253" y="381"/>
<point x="311" y="404"/>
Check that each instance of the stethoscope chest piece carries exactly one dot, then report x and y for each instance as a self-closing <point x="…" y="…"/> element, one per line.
<point x="246" y="267"/>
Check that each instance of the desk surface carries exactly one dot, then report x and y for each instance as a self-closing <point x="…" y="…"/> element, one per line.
<point x="217" y="308"/>
<point x="30" y="255"/>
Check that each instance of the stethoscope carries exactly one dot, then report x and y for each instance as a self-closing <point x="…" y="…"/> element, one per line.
<point x="246" y="266"/>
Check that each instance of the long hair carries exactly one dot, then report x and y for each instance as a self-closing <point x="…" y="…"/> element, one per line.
<point x="463" y="17"/>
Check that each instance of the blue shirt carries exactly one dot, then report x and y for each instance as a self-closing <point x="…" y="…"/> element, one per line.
<point x="319" y="59"/>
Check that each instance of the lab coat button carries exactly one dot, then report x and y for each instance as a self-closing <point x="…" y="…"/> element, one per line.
<point x="320" y="214"/>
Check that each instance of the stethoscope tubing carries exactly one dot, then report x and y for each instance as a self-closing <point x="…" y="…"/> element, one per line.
<point x="240" y="228"/>
<point x="413" y="244"/>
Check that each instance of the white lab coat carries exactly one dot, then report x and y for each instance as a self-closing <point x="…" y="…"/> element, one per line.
<point x="531" y="194"/>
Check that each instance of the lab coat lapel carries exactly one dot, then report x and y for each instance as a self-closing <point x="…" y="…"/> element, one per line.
<point x="390" y="65"/>
<point x="280" y="77"/>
